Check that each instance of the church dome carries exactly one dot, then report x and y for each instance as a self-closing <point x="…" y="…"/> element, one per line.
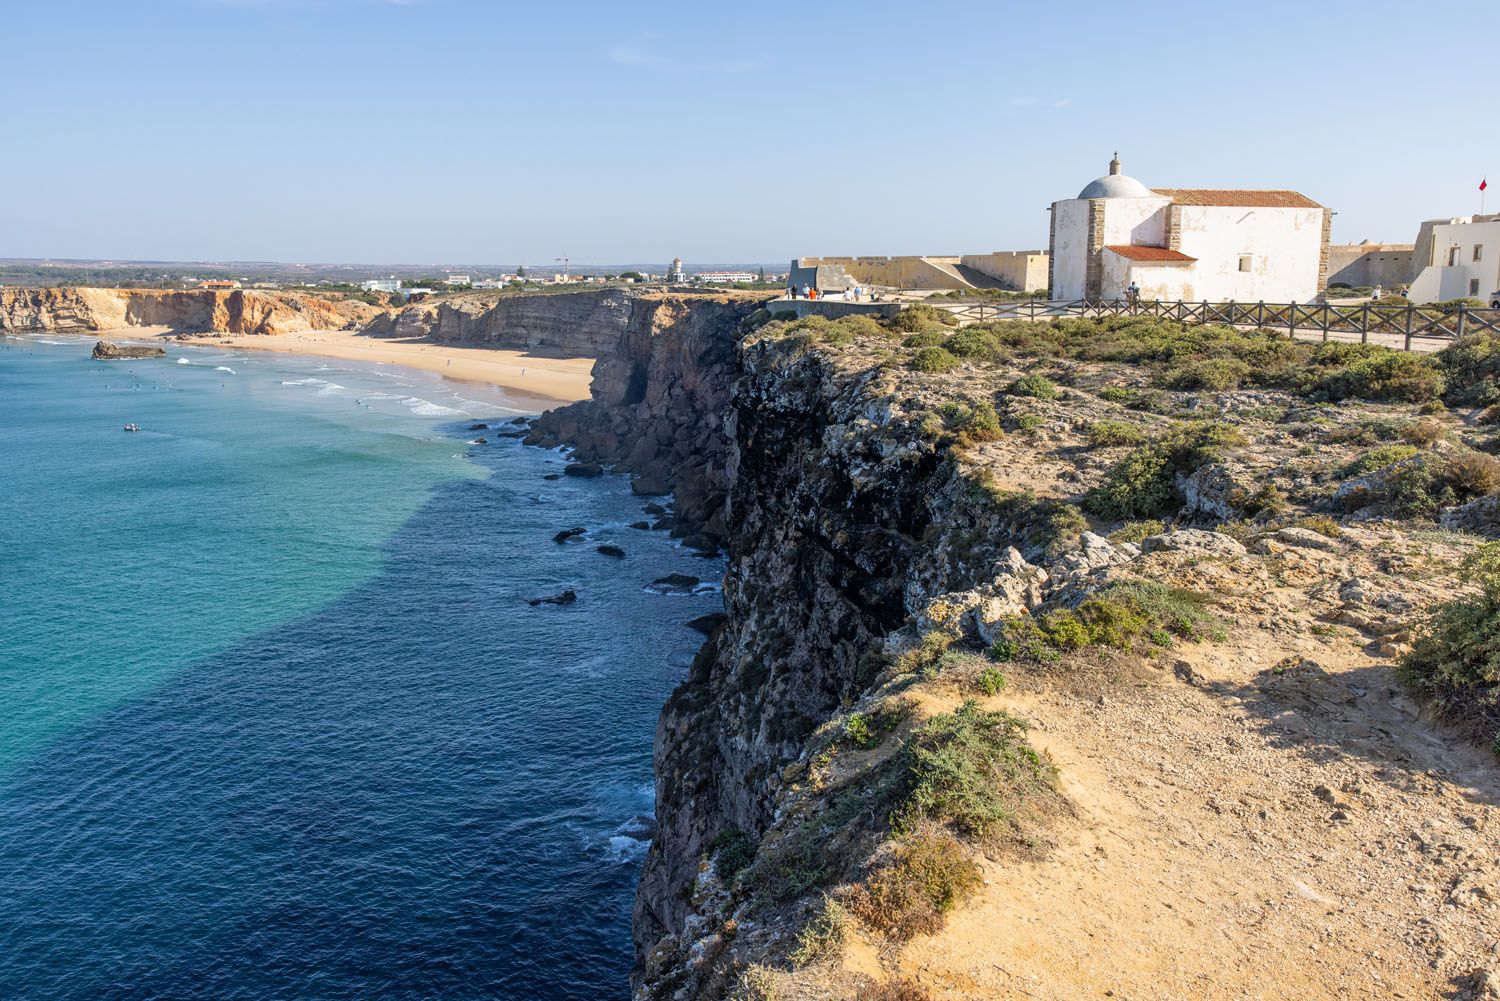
<point x="1115" y="185"/>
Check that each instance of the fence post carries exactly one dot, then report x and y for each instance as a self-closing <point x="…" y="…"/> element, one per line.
<point x="1460" y="330"/>
<point x="1291" y="322"/>
<point x="1364" y="324"/>
<point x="1410" y="309"/>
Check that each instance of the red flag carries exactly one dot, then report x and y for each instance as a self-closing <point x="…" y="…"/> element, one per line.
<point x="1483" y="184"/>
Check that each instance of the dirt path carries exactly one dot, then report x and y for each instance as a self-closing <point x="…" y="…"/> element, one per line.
<point x="1266" y="818"/>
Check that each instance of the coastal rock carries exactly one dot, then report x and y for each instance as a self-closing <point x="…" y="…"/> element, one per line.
<point x="479" y="427"/>
<point x="674" y="583"/>
<point x="706" y="624"/>
<point x="569" y="533"/>
<point x="585" y="469"/>
<point x="609" y="550"/>
<point x="110" y="351"/>
<point x="1194" y="540"/>
<point x="643" y="526"/>
<point x="561" y="598"/>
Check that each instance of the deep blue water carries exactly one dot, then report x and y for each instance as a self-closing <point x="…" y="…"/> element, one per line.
<point x="277" y="719"/>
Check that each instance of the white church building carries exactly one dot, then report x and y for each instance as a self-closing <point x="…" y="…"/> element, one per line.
<point x="1191" y="244"/>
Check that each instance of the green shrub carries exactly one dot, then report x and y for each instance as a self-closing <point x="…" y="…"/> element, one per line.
<point x="1455" y="662"/>
<point x="1029" y="422"/>
<point x="1215" y="374"/>
<point x="930" y="873"/>
<point x="925" y="339"/>
<point x="991" y="681"/>
<point x="971" y="424"/>
<point x="1377" y="458"/>
<point x="971" y="769"/>
<point x="933" y="359"/>
<point x="823" y="937"/>
<point x="919" y="316"/>
<point x="1036" y="386"/>
<point x="1141" y="485"/>
<point x="1117" y="394"/>
<point x="1107" y="434"/>
<point x="1119" y="616"/>
<point x="927" y="654"/>
<point x="732" y="849"/>
<point x="1381" y="374"/>
<point x="977" y="344"/>
<point x="1421" y="487"/>
<point x="1471" y="366"/>
<point x="1135" y="531"/>
<point x="1320" y="523"/>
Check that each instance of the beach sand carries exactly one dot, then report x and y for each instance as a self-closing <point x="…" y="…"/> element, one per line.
<point x="543" y="382"/>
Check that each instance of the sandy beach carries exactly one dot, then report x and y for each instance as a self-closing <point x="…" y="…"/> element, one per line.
<point x="544" y="382"/>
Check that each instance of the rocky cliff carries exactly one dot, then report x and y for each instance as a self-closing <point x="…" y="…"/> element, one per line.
<point x="575" y="324"/>
<point x="194" y="311"/>
<point x="930" y="553"/>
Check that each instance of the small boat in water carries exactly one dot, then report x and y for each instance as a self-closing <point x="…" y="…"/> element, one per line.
<point x="132" y="427"/>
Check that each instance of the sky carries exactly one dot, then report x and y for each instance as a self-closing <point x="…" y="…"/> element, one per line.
<point x="431" y="131"/>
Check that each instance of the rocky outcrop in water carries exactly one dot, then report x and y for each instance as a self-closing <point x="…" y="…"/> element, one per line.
<point x="193" y="311"/>
<point x="110" y="351"/>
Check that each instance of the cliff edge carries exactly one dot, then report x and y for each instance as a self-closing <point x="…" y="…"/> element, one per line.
<point x="193" y="311"/>
<point x="1060" y="661"/>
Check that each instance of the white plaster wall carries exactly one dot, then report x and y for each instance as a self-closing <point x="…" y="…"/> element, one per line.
<point x="1070" y="244"/>
<point x="1141" y="221"/>
<point x="1166" y="282"/>
<point x="1443" y="281"/>
<point x="1285" y="245"/>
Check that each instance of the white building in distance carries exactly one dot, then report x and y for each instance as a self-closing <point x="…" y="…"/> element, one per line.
<point x="456" y="280"/>
<point x="1456" y="258"/>
<point x="1189" y="244"/>
<point x="674" y="273"/>
<point x="381" y="285"/>
<point x="722" y="277"/>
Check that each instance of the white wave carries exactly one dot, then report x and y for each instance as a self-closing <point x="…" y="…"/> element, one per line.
<point x="183" y="361"/>
<point x="303" y="382"/>
<point x="43" y="340"/>
<point x="426" y="408"/>
<point x="224" y="368"/>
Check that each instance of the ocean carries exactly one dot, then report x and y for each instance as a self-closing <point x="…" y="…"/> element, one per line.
<point x="278" y="719"/>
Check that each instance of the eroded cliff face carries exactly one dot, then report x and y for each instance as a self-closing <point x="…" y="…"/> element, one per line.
<point x="659" y="400"/>
<point x="573" y="324"/>
<point x="193" y="311"/>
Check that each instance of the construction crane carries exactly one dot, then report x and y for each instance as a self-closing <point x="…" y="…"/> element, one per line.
<point x="564" y="261"/>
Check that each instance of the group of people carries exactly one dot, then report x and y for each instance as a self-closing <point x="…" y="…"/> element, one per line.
<point x="808" y="292"/>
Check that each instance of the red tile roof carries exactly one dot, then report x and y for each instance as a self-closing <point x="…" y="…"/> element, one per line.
<point x="1239" y="199"/>
<point x="1157" y="254"/>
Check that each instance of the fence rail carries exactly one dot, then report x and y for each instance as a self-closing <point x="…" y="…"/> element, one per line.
<point x="1402" y="324"/>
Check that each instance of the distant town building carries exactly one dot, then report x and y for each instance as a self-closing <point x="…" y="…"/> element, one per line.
<point x="1190" y="244"/>
<point x="724" y="277"/>
<point x="1456" y="258"/>
<point x="456" y="280"/>
<point x="381" y="285"/>
<point x="219" y="283"/>
<point x="674" y="273"/>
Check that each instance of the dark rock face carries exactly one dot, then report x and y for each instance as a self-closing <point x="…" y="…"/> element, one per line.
<point x="659" y="399"/>
<point x="586" y="469"/>
<point x="615" y="551"/>
<point x="568" y="533"/>
<point x="110" y="351"/>
<point x="706" y="624"/>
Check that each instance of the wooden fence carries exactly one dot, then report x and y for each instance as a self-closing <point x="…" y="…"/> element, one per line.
<point x="1400" y="324"/>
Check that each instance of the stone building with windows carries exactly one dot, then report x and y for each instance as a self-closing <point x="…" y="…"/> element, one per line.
<point x="1456" y="258"/>
<point x="1193" y="244"/>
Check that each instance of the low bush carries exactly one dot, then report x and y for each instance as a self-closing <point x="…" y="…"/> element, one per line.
<point x="919" y="316"/>
<point x="731" y="849"/>
<point x="1142" y="484"/>
<point x="933" y="359"/>
<point x="1455" y="662"/>
<point x="1377" y="458"/>
<point x="1135" y="531"/>
<point x="930" y="873"/>
<point x="823" y="937"/>
<point x="1036" y="386"/>
<point x="1471" y="365"/>
<point x="1108" y="434"/>
<point x="970" y="769"/>
<point x="1215" y="374"/>
<point x="1122" y="616"/>
<point x="990" y="681"/>
<point x="976" y="344"/>
<point x="971" y="424"/>
<point x="925" y="339"/>
<point x="1421" y="486"/>
<point x="1375" y="374"/>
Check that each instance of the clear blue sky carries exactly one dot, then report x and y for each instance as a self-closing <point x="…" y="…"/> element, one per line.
<point x="420" y="131"/>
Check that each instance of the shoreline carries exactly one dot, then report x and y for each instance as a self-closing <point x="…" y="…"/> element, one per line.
<point x="545" y="382"/>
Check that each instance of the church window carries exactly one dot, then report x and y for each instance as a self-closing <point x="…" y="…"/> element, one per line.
<point x="1244" y="262"/>
<point x="1478" y="250"/>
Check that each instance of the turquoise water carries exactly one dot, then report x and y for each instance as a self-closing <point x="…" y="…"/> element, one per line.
<point x="278" y="719"/>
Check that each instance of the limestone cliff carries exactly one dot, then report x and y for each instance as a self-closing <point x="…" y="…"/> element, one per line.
<point x="1229" y="746"/>
<point x="578" y="324"/>
<point x="193" y="311"/>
